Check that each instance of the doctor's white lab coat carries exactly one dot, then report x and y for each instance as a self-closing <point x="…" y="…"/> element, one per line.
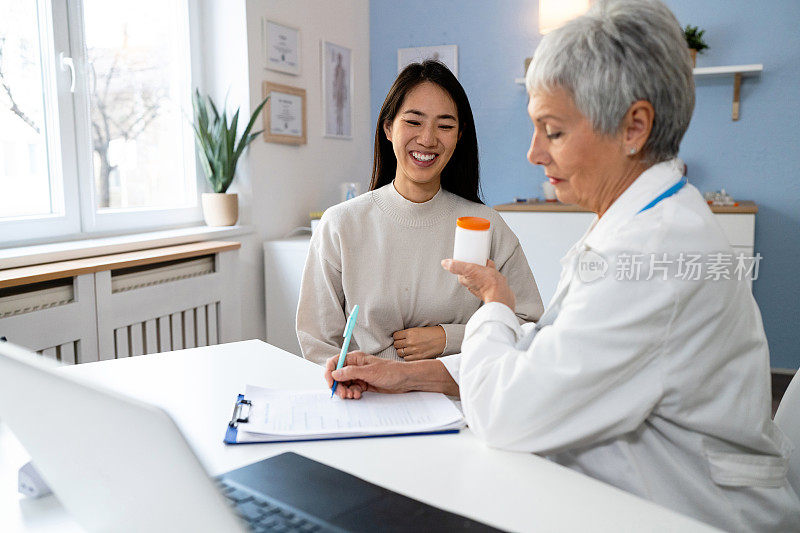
<point x="657" y="386"/>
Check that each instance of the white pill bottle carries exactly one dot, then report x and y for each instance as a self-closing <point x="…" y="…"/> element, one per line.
<point x="473" y="239"/>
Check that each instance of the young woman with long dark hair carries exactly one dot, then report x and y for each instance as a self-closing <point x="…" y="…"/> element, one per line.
<point x="382" y="250"/>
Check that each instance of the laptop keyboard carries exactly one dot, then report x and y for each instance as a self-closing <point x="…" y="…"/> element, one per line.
<point x="263" y="514"/>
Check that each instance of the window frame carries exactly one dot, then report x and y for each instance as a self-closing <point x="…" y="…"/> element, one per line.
<point x="77" y="215"/>
<point x="59" y="138"/>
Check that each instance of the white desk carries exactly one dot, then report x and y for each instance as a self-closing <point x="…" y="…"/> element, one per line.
<point x="514" y="491"/>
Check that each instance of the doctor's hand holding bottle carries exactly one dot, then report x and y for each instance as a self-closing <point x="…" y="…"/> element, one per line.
<point x="485" y="282"/>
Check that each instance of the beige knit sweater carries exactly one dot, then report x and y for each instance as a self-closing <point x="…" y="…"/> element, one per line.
<point x="383" y="252"/>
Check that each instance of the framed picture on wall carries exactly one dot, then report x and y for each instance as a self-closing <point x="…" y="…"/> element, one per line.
<point x="281" y="47"/>
<point x="446" y="53"/>
<point x="337" y="91"/>
<point x="284" y="114"/>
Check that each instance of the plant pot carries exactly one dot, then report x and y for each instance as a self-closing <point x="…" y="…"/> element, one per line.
<point x="693" y="52"/>
<point x="220" y="209"/>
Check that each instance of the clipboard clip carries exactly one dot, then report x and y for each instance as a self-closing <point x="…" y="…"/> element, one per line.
<point x="237" y="419"/>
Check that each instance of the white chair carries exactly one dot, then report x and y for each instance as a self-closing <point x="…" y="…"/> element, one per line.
<point x="787" y="417"/>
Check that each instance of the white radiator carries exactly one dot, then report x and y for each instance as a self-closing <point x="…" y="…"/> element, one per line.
<point x="136" y="278"/>
<point x="35" y="297"/>
<point x="56" y="318"/>
<point x="162" y="307"/>
<point x="66" y="353"/>
<point x="110" y="314"/>
<point x="189" y="328"/>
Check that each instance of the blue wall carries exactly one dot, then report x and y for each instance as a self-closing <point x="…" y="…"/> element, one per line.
<point x="756" y="158"/>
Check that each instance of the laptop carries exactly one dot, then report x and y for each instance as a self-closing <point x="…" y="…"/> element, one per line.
<point x="119" y="464"/>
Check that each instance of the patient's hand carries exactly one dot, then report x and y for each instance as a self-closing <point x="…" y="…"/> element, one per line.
<point x="426" y="342"/>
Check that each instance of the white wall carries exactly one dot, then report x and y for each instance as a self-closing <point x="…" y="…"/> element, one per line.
<point x="278" y="184"/>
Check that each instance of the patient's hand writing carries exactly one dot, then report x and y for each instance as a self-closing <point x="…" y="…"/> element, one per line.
<point x="485" y="282"/>
<point x="426" y="342"/>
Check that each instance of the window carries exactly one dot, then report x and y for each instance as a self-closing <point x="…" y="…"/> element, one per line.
<point x="31" y="178"/>
<point x="95" y="103"/>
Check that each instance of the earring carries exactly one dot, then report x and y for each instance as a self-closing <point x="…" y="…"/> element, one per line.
<point x="632" y="150"/>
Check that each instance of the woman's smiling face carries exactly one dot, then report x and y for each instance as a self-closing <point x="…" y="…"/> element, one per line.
<point x="424" y="134"/>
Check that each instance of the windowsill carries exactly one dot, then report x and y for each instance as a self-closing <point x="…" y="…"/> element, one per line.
<point x="77" y="249"/>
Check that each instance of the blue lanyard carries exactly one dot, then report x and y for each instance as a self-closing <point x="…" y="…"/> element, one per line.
<point x="666" y="194"/>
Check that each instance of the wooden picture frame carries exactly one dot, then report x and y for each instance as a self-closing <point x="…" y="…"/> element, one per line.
<point x="285" y="116"/>
<point x="281" y="45"/>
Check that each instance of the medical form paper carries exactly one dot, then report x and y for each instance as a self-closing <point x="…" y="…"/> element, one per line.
<point x="313" y="414"/>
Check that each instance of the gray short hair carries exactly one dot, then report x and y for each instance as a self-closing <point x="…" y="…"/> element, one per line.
<point x="619" y="52"/>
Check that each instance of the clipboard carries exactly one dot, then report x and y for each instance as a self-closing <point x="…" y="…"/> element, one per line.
<point x="241" y="415"/>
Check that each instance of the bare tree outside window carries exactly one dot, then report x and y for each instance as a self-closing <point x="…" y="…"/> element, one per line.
<point x="126" y="99"/>
<point x="136" y="97"/>
<point x="5" y="84"/>
<point x="24" y="177"/>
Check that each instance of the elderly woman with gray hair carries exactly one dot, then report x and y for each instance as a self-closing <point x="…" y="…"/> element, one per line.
<point x="649" y="369"/>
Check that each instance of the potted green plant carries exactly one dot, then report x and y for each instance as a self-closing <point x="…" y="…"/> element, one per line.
<point x="219" y="154"/>
<point x="694" y="40"/>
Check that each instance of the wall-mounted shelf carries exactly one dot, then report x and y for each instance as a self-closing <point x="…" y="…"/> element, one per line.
<point x="717" y="72"/>
<point x="736" y="71"/>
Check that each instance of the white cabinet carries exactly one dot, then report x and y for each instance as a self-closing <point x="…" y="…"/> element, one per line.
<point x="283" y="270"/>
<point x="546" y="236"/>
<point x="740" y="230"/>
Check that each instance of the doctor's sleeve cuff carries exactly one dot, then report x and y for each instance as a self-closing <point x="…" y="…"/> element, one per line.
<point x="452" y="363"/>
<point x="454" y="334"/>
<point x="493" y="312"/>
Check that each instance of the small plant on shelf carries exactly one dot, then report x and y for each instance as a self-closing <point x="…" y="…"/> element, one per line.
<point x="694" y="40"/>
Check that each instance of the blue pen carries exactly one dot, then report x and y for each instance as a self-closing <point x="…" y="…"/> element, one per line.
<point x="348" y="333"/>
